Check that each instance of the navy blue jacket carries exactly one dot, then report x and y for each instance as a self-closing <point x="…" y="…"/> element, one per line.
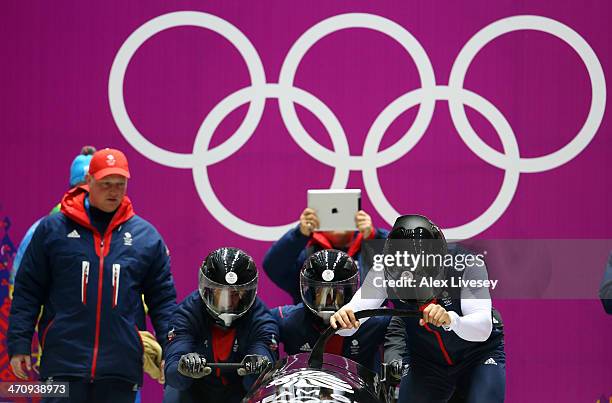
<point x="285" y="258"/>
<point x="299" y="330"/>
<point x="432" y="345"/>
<point x="191" y="332"/>
<point x="90" y="286"/>
<point x="605" y="291"/>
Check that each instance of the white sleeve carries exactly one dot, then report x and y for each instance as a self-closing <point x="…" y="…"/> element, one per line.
<point x="476" y="323"/>
<point x="367" y="297"/>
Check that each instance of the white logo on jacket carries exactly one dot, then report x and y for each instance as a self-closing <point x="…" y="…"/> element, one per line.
<point x="127" y="239"/>
<point x="354" y="347"/>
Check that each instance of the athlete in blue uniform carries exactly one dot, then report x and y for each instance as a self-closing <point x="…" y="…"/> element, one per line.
<point x="458" y="344"/>
<point x="223" y="321"/>
<point x="329" y="279"/>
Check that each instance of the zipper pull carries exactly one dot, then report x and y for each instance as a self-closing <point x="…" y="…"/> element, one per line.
<point x="84" y="280"/>
<point x="115" y="283"/>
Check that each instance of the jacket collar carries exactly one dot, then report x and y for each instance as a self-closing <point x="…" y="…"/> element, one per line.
<point x="73" y="207"/>
<point x="354" y="245"/>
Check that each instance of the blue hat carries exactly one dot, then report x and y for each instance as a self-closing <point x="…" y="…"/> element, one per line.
<point x="79" y="169"/>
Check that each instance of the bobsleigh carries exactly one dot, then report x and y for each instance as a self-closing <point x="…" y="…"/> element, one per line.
<point x="323" y="378"/>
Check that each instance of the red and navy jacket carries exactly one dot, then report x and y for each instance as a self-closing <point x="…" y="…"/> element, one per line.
<point x="193" y="330"/>
<point x="432" y="345"/>
<point x="300" y="329"/>
<point x="284" y="260"/>
<point x="90" y="286"/>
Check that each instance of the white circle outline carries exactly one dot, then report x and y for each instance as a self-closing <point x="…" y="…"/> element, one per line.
<point x="586" y="54"/>
<point x="137" y="39"/>
<point x="379" y="24"/>
<point x="207" y="129"/>
<point x="495" y="117"/>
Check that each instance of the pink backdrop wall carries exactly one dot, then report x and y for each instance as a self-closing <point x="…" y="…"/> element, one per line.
<point x="57" y="58"/>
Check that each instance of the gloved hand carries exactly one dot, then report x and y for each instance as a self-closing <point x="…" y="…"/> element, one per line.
<point x="152" y="357"/>
<point x="253" y="364"/>
<point x="193" y="365"/>
<point x="395" y="368"/>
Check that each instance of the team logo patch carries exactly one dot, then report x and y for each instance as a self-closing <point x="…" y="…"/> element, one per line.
<point x="127" y="239"/>
<point x="328" y="275"/>
<point x="354" y="347"/>
<point x="407" y="275"/>
<point x="171" y="335"/>
<point x="273" y="344"/>
<point x="110" y="160"/>
<point x="405" y="370"/>
<point x="231" y="277"/>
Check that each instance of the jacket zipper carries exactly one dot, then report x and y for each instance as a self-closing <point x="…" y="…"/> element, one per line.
<point x="98" y="311"/>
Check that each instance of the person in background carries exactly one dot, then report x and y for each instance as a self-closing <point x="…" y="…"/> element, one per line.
<point x="328" y="280"/>
<point x="222" y="321"/>
<point x="88" y="267"/>
<point x="285" y="258"/>
<point x="78" y="173"/>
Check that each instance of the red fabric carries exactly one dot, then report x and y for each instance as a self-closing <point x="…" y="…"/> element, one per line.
<point x="73" y="206"/>
<point x="437" y="334"/>
<point x="222" y="343"/>
<point x="44" y="335"/>
<point x="319" y="239"/>
<point x="98" y="306"/>
<point x="354" y="244"/>
<point x="108" y="162"/>
<point x="334" y="345"/>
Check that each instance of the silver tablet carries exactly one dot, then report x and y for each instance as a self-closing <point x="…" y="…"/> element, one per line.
<point x="335" y="208"/>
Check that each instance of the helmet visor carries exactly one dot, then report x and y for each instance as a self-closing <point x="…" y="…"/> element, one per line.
<point x="321" y="296"/>
<point x="227" y="299"/>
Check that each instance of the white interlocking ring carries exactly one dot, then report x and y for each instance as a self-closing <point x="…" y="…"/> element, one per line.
<point x="340" y="158"/>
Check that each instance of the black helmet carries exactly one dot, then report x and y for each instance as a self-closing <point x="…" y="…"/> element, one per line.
<point x="416" y="227"/>
<point x="328" y="280"/>
<point x="228" y="284"/>
<point x="417" y="235"/>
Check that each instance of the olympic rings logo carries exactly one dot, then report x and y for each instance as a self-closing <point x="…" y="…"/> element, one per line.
<point x="339" y="158"/>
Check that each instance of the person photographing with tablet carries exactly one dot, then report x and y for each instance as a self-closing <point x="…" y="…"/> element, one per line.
<point x="333" y="220"/>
